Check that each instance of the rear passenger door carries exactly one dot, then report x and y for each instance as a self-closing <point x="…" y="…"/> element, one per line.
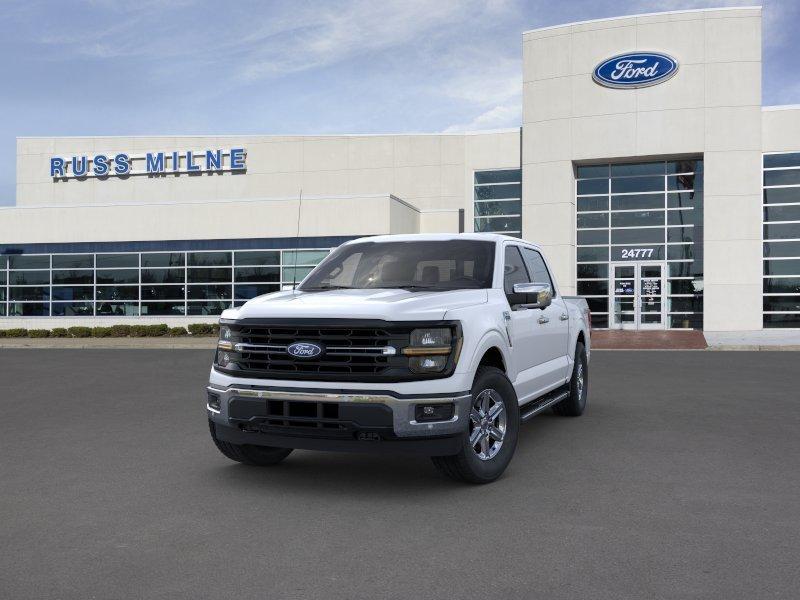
<point x="553" y="331"/>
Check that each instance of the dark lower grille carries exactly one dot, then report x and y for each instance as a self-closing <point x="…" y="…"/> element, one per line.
<point x="327" y="419"/>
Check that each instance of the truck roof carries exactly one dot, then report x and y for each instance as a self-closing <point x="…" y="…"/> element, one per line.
<point x="431" y="237"/>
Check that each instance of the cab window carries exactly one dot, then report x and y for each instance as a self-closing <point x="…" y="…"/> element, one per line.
<point x="537" y="268"/>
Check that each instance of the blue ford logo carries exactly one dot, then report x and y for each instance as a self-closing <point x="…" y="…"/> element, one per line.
<point x="635" y="70"/>
<point x="304" y="350"/>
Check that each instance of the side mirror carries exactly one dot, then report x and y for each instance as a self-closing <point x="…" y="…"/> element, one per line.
<point x="533" y="295"/>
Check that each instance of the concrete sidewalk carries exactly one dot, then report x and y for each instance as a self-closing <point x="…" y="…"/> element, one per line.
<point x="765" y="339"/>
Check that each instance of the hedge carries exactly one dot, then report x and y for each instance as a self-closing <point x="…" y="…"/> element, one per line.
<point x="204" y="329"/>
<point x="162" y="329"/>
<point x="80" y="332"/>
<point x="16" y="332"/>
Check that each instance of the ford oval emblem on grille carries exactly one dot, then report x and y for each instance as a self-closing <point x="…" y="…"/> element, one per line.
<point x="304" y="350"/>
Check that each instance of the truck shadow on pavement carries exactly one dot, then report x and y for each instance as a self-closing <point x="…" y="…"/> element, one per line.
<point x="375" y="475"/>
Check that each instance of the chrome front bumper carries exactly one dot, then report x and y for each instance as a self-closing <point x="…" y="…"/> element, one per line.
<point x="402" y="406"/>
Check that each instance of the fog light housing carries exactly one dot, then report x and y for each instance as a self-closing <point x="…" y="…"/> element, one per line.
<point x="427" y="364"/>
<point x="434" y="412"/>
<point x="213" y="401"/>
<point x="223" y="358"/>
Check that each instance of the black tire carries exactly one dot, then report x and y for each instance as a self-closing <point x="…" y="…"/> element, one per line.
<point x="259" y="456"/>
<point x="467" y="465"/>
<point x="575" y="403"/>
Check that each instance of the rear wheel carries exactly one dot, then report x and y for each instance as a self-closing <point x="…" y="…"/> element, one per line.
<point x="260" y="456"/>
<point x="575" y="403"/>
<point x="491" y="438"/>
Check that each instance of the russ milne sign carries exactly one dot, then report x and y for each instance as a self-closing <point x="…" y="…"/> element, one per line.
<point x="635" y="70"/>
<point x="122" y="164"/>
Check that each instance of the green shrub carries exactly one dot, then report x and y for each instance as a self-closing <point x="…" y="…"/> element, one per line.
<point x="16" y="332"/>
<point x="59" y="332"/>
<point x="80" y="332"/>
<point x="38" y="333"/>
<point x="157" y="330"/>
<point x="2" y="333"/>
<point x="203" y="329"/>
<point x="101" y="332"/>
<point x="138" y="330"/>
<point x="120" y="330"/>
<point x="177" y="331"/>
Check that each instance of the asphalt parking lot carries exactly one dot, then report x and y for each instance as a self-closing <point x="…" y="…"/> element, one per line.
<point x="682" y="480"/>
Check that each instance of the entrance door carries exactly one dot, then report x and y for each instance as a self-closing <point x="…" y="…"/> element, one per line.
<point x="637" y="295"/>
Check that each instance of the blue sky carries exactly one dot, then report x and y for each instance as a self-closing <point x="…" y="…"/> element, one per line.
<point x="105" y="67"/>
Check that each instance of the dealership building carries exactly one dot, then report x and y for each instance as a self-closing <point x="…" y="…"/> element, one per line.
<point x="646" y="167"/>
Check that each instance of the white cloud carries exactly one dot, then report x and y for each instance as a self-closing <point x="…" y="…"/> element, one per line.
<point x="331" y="34"/>
<point x="497" y="117"/>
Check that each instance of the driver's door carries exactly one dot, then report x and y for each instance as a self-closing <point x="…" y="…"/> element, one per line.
<point x="527" y="352"/>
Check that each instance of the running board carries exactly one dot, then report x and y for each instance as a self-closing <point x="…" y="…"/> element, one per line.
<point x="531" y="409"/>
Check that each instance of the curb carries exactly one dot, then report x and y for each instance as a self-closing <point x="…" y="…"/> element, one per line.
<point x="756" y="348"/>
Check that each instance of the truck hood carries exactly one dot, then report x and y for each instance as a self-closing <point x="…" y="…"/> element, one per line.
<point x="386" y="304"/>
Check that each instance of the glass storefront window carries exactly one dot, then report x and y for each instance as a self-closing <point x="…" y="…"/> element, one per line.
<point x="147" y="283"/>
<point x="497" y="202"/>
<point x="257" y="258"/>
<point x="163" y="259"/>
<point x="73" y="292"/>
<point x="642" y="212"/>
<point x="163" y="276"/>
<point x="781" y="299"/>
<point x="73" y="261"/>
<point x="117" y="276"/>
<point x="208" y="259"/>
<point x="29" y="278"/>
<point x="29" y="262"/>
<point x="115" y="261"/>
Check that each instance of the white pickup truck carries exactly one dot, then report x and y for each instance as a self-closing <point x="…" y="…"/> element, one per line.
<point x="438" y="344"/>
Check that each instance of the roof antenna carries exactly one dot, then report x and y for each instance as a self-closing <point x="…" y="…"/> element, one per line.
<point x="297" y="243"/>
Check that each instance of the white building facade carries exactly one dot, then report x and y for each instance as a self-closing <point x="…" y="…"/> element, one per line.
<point x="658" y="184"/>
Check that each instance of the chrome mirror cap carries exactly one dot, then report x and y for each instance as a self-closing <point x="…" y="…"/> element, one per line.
<point x="540" y="293"/>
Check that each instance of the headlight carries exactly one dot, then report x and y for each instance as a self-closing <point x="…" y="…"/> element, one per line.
<point x="426" y="338"/>
<point x="225" y="342"/>
<point x="225" y="347"/>
<point x="430" y="350"/>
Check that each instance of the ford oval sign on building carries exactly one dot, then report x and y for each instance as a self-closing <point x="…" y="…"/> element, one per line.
<point x="635" y="70"/>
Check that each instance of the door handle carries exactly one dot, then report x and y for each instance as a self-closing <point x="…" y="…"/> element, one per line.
<point x="564" y="317"/>
<point x="543" y="320"/>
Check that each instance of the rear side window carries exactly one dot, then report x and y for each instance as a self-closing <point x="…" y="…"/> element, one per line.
<point x="537" y="268"/>
<point x="514" y="270"/>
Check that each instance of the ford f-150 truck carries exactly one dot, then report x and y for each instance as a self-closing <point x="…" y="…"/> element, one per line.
<point x="434" y="344"/>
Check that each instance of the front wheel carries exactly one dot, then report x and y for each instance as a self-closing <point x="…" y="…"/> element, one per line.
<point x="574" y="404"/>
<point x="260" y="456"/>
<point x="491" y="437"/>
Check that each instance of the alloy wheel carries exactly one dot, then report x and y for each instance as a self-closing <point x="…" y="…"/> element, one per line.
<point x="488" y="423"/>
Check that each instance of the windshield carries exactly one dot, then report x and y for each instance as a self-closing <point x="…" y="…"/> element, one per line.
<point x="414" y="265"/>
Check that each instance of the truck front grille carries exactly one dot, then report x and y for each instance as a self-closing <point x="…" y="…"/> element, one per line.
<point x="354" y="353"/>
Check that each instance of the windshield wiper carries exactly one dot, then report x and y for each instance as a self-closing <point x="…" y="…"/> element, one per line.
<point x="323" y="288"/>
<point x="412" y="286"/>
